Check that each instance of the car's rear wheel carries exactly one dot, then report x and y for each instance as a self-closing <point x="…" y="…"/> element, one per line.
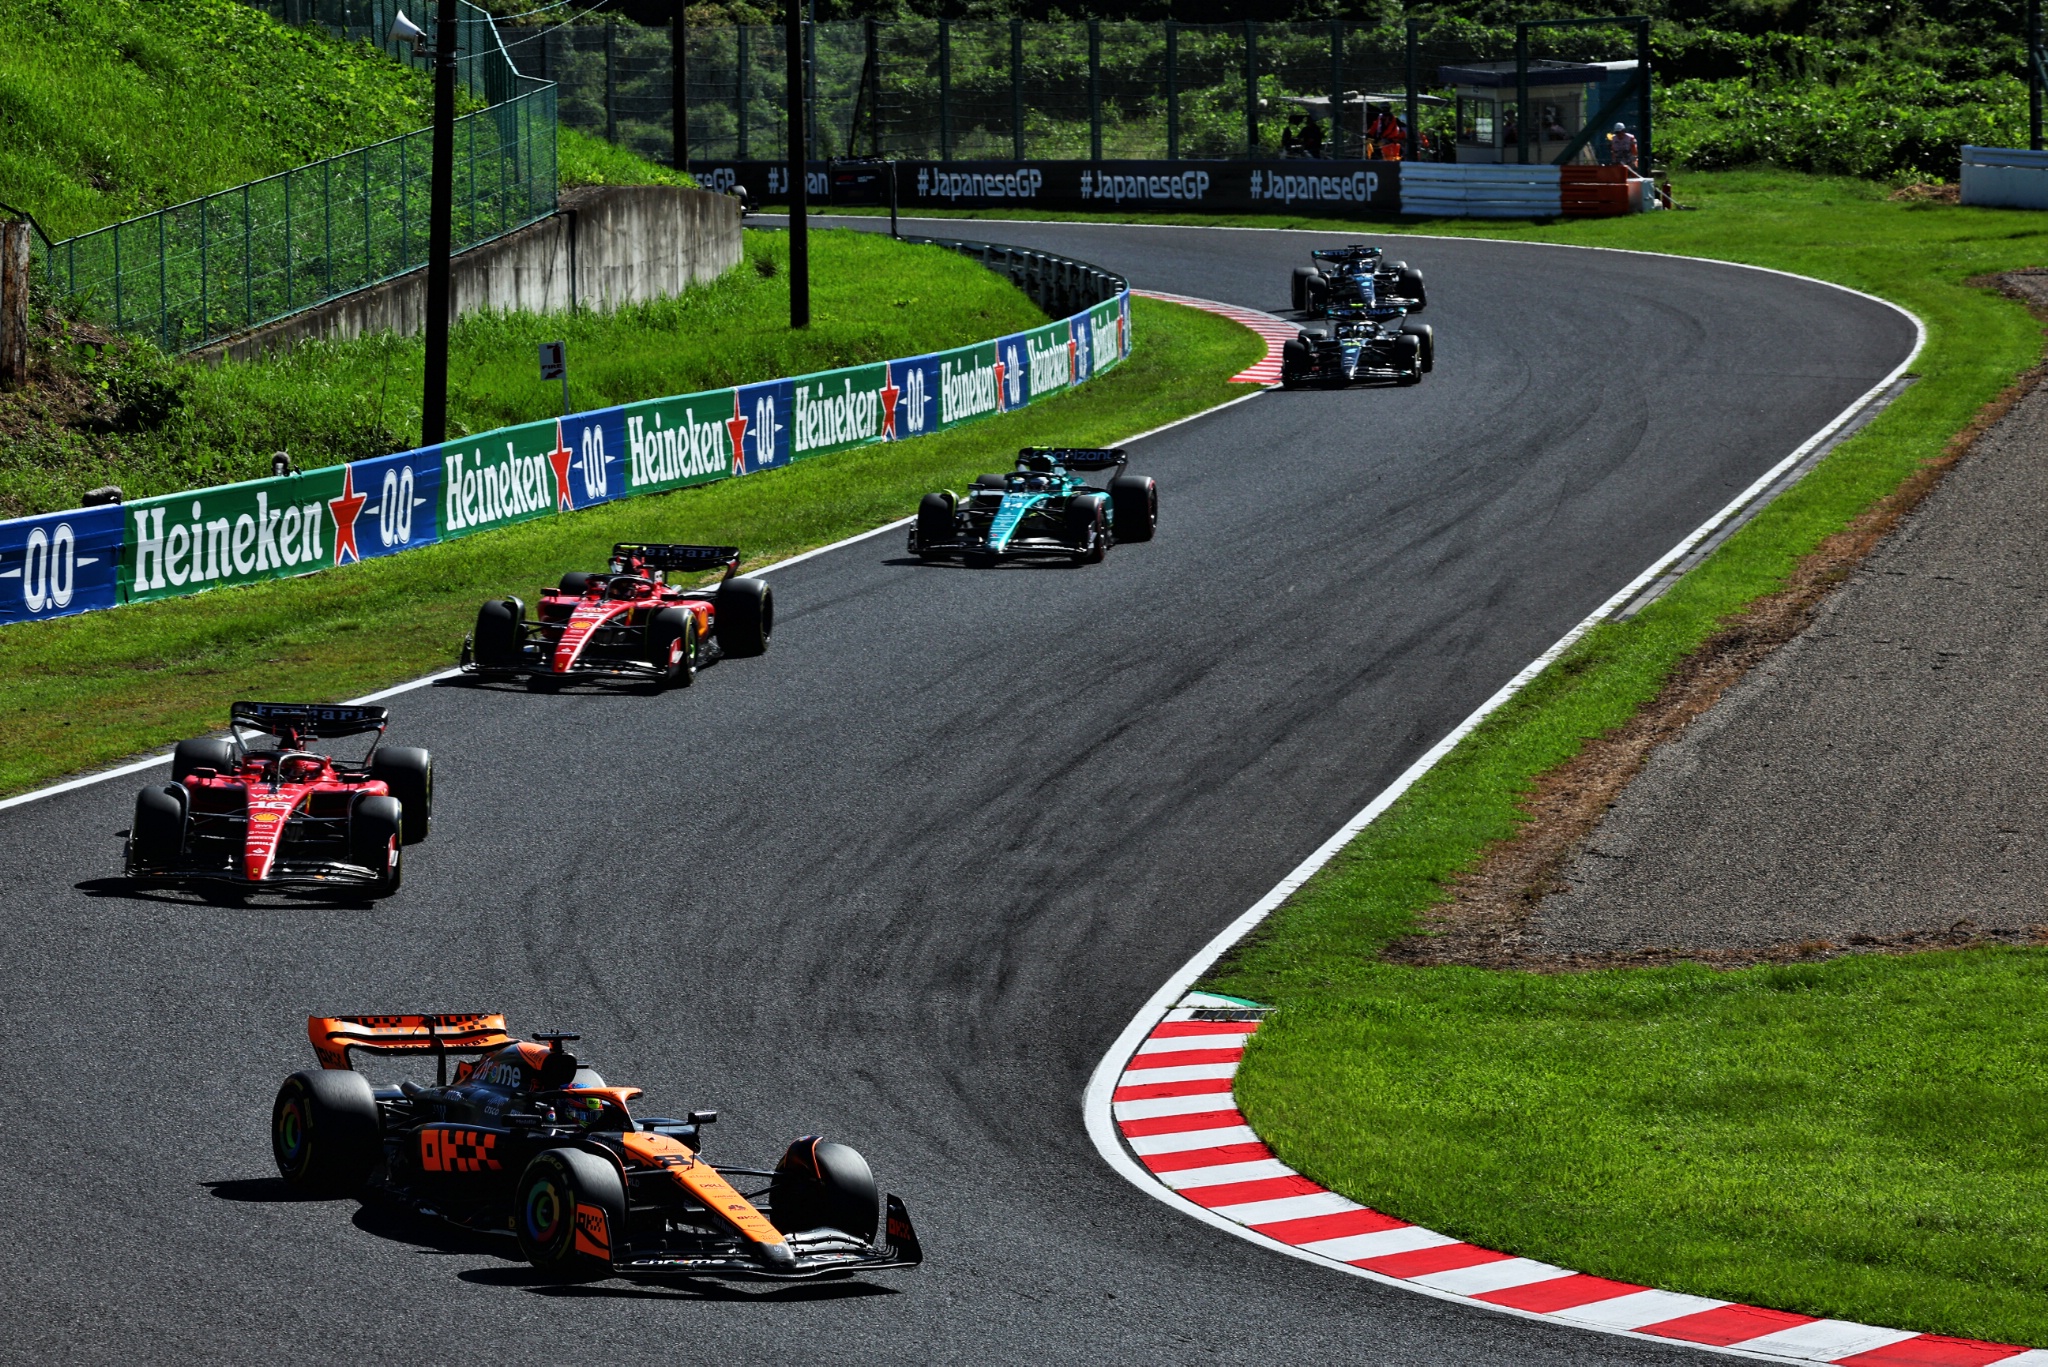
<point x="324" y="1131"/>
<point x="497" y="634"/>
<point x="935" y="525"/>
<point x="408" y="771"/>
<point x="376" y="827"/>
<point x="221" y="756"/>
<point x="576" y="582"/>
<point x="1088" y="528"/>
<point x="991" y="482"/>
<point x="1410" y="286"/>
<point x="672" y="646"/>
<point x="157" y="839"/>
<point x="1298" y="286"/>
<point x="569" y="1213"/>
<point x="1135" y="501"/>
<point x="820" y="1184"/>
<point x="744" y="616"/>
<point x="1426" y="335"/>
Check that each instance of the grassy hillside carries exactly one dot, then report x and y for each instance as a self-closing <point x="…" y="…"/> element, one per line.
<point x="104" y="410"/>
<point x="113" y="108"/>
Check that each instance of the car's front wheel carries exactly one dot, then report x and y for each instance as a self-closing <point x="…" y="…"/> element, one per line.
<point x="936" y="528"/>
<point x="1135" y="501"/>
<point x="569" y="1213"/>
<point x="1088" y="528"/>
<point x="376" y="841"/>
<point x="820" y="1184"/>
<point x="744" y="616"/>
<point x="672" y="646"/>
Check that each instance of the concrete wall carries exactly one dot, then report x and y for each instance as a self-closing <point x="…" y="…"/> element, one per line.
<point x="608" y="246"/>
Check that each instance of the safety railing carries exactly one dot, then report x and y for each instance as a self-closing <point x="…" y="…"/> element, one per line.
<point x="219" y="265"/>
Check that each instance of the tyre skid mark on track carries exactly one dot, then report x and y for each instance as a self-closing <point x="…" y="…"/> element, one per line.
<point x="1178" y="1118"/>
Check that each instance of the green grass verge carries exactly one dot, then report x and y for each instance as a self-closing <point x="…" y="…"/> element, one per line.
<point x="192" y="425"/>
<point x="80" y="692"/>
<point x="117" y="107"/>
<point x="585" y="159"/>
<point x="1379" y="1080"/>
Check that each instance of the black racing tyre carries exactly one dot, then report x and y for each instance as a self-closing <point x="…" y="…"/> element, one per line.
<point x="408" y="771"/>
<point x="497" y="640"/>
<point x="1297" y="289"/>
<point x="324" y="1131"/>
<point x="745" y="616"/>
<point x="820" y="1184"/>
<point x="575" y="582"/>
<point x="1426" y="334"/>
<point x="157" y="839"/>
<point x="935" y="524"/>
<point x="221" y="756"/>
<point x="991" y="481"/>
<point x="1408" y="356"/>
<point x="569" y="1213"/>
<point x="1297" y="363"/>
<point x="1134" y="499"/>
<point x="1316" y="295"/>
<point x="1410" y="286"/>
<point x="376" y="837"/>
<point x="672" y="646"/>
<point x="1088" y="528"/>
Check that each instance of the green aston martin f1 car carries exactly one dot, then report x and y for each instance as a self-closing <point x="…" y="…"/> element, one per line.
<point x="1042" y="508"/>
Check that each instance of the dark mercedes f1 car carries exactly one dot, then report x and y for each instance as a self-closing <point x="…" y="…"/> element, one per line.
<point x="259" y="816"/>
<point x="1041" y="508"/>
<point x="626" y="622"/>
<point x="1356" y="347"/>
<point x="1356" y="272"/>
<point x="526" y="1140"/>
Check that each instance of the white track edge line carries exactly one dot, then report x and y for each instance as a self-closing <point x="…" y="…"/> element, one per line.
<point x="138" y="766"/>
<point x="1096" y="1104"/>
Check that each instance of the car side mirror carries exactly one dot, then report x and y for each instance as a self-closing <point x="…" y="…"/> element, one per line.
<point x="703" y="1117"/>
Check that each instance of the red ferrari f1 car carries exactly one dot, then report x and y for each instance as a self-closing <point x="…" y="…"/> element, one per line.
<point x="528" y="1140"/>
<point x="626" y="622"/>
<point x="256" y="816"/>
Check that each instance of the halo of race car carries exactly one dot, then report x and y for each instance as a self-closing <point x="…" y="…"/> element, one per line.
<point x="528" y="1141"/>
<point x="1043" y="508"/>
<point x="1366" y="336"/>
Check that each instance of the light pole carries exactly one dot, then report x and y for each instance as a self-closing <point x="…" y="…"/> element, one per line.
<point x="441" y="212"/>
<point x="799" y="173"/>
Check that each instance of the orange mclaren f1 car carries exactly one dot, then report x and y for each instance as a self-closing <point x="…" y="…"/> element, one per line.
<point x="626" y="622"/>
<point x="527" y="1140"/>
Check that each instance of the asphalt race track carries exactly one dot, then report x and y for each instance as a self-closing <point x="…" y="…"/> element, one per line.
<point x="904" y="879"/>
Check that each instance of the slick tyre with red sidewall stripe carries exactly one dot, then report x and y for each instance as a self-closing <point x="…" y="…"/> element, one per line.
<point x="569" y="1213"/>
<point x="324" y="1131"/>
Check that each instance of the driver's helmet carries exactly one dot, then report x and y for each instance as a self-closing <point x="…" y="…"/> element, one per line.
<point x="625" y="586"/>
<point x="300" y="768"/>
<point x="1037" y="483"/>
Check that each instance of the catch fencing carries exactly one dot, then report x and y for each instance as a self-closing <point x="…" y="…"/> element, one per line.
<point x="197" y="272"/>
<point x="59" y="564"/>
<point x="970" y="90"/>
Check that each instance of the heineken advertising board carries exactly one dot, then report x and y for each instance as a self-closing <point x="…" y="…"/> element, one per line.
<point x="57" y="564"/>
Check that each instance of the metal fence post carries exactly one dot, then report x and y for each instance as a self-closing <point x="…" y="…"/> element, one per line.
<point x="679" y="88"/>
<point x="945" y="90"/>
<point x="248" y="282"/>
<point x="1522" y="93"/>
<point x="1095" y="89"/>
<point x="369" y="258"/>
<point x="1414" y="93"/>
<point x="872" y="69"/>
<point x="1337" y="87"/>
<point x="740" y="91"/>
<point x="1643" y="90"/>
<point x="163" y="288"/>
<point x="1017" y="86"/>
<point x="1251" y="89"/>
<point x="1172" y="92"/>
<point x="327" y="216"/>
<point x="289" y="244"/>
<point x="2033" y="73"/>
<point x="202" y="265"/>
<point x="611" y="118"/>
<point x="404" y="209"/>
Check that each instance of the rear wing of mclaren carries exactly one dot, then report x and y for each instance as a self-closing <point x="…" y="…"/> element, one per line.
<point x="689" y="559"/>
<point x="334" y="1036"/>
<point x="308" y="721"/>
<point x="1072" y="457"/>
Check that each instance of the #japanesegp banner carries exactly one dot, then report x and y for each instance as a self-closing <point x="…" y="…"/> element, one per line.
<point x="517" y="473"/>
<point x="59" y="563"/>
